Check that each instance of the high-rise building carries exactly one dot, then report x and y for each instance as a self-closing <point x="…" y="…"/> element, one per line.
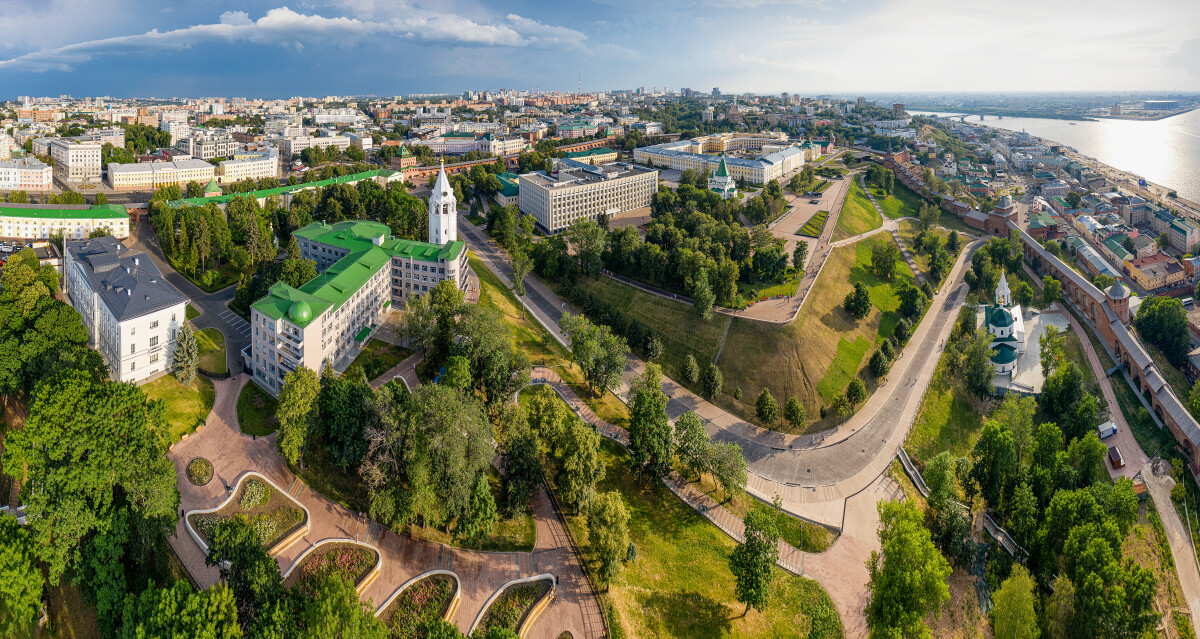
<point x="898" y="111"/>
<point x="862" y="102"/>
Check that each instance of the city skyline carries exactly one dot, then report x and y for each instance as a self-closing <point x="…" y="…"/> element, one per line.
<point x="270" y="49"/>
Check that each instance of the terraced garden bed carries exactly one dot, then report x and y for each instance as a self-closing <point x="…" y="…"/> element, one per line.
<point x="352" y="561"/>
<point x="814" y="225"/>
<point x="270" y="512"/>
<point x="425" y="600"/>
<point x="511" y="607"/>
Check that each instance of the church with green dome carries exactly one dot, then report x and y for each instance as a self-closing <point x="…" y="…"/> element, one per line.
<point x="1016" y="346"/>
<point x="363" y="273"/>
<point x="1006" y="324"/>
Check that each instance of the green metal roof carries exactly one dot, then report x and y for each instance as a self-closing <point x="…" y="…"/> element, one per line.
<point x="55" y="212"/>
<point x="722" y="171"/>
<point x="280" y="298"/>
<point x="212" y="186"/>
<point x="509" y="184"/>
<point x="282" y="190"/>
<point x="1005" y="354"/>
<point x="357" y="235"/>
<point x="1001" y="317"/>
<point x="362" y="333"/>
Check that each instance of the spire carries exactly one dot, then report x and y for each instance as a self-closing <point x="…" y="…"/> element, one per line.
<point x="442" y="186"/>
<point x="722" y="171"/>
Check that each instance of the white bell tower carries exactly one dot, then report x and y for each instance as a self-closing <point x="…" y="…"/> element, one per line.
<point x="443" y="211"/>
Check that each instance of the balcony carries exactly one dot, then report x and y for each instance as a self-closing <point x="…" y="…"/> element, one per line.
<point x="288" y="348"/>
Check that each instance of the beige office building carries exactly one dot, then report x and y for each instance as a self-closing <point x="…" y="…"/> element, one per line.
<point x="576" y="190"/>
<point x="76" y="161"/>
<point x="147" y="176"/>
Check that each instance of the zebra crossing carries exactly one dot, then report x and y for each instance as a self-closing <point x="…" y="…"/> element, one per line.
<point x="235" y="322"/>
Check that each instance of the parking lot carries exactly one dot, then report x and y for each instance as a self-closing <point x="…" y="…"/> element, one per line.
<point x="235" y="323"/>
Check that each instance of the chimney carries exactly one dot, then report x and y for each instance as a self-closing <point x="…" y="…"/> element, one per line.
<point x="135" y="261"/>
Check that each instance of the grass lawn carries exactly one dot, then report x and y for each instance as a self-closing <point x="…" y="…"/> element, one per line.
<point x="949" y="418"/>
<point x="256" y="411"/>
<point x="857" y="216"/>
<point x="377" y="358"/>
<point x="71" y="617"/>
<point x="765" y="290"/>
<point x="222" y="277"/>
<point x="1173" y="375"/>
<point x="516" y="534"/>
<point x="1146" y="544"/>
<point x="192" y="312"/>
<point x="901" y="203"/>
<point x="680" y="584"/>
<point x="796" y="358"/>
<point x="909" y="230"/>
<point x="212" y="350"/>
<point x="952" y="222"/>
<point x="542" y="348"/>
<point x="800" y="534"/>
<point x="187" y="408"/>
<point x="814" y="225"/>
<point x="322" y="475"/>
<point x="681" y="331"/>
<point x="477" y="220"/>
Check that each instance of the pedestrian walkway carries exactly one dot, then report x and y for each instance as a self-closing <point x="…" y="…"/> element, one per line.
<point x="481" y="574"/>
<point x="405" y="371"/>
<point x="893" y="227"/>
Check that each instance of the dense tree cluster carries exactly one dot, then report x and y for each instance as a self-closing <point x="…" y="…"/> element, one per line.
<point x="1162" y="321"/>
<point x="992" y="259"/>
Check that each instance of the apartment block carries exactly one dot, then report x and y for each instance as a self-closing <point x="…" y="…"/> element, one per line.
<point x="76" y="161"/>
<point x="74" y="221"/>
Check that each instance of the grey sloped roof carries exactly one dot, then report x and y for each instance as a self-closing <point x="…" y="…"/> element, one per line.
<point x="129" y="283"/>
<point x="1141" y="359"/>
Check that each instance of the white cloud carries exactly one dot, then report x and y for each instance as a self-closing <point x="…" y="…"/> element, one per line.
<point x="285" y="27"/>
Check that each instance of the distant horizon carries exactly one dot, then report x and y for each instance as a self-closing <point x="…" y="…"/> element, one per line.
<point x="398" y="47"/>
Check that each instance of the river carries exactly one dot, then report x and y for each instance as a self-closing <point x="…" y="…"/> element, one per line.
<point x="1165" y="152"/>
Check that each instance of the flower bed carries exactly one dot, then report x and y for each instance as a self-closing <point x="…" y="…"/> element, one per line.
<point x="510" y="607"/>
<point x="350" y="560"/>
<point x="273" y="515"/>
<point x="423" y="601"/>
<point x="199" y="471"/>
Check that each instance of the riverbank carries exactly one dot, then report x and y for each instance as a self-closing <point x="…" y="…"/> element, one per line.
<point x="1155" y="118"/>
<point x="1000" y="113"/>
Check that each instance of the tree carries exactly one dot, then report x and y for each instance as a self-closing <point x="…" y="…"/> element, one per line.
<point x="21" y="581"/>
<point x="578" y="466"/>
<point x="691" y="370"/>
<point x="650" y="441"/>
<point x="1052" y="344"/>
<point x="879" y="364"/>
<point x="702" y="296"/>
<point x="1073" y="199"/>
<point x="521" y="468"/>
<point x="521" y="264"/>
<point x="608" y="531"/>
<point x="912" y="300"/>
<point x="752" y="562"/>
<point x="712" y="381"/>
<point x="765" y="407"/>
<point x="179" y="611"/>
<point x="994" y="466"/>
<point x="858" y="301"/>
<point x="793" y="412"/>
<point x="728" y="467"/>
<point x="907" y="576"/>
<point x="588" y="240"/>
<point x="458" y="373"/>
<point x="884" y="255"/>
<point x="691" y="443"/>
<point x="86" y="443"/>
<point x="251" y="574"/>
<point x="977" y="367"/>
<point x="1163" y="241"/>
<point x="334" y="611"/>
<point x="1015" y="614"/>
<point x="187" y="356"/>
<point x="856" y="391"/>
<point x="1023" y="294"/>
<point x="1060" y="609"/>
<point x="799" y="254"/>
<point x="1051" y="290"/>
<point x="597" y="351"/>
<point x="1162" y="321"/>
<point x="480" y="517"/>
<point x="296" y="412"/>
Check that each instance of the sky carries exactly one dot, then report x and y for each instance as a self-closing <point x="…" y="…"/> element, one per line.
<point x="209" y="48"/>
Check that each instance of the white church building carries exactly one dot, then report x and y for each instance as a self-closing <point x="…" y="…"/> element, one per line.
<point x="1016" y="346"/>
<point x="362" y="273"/>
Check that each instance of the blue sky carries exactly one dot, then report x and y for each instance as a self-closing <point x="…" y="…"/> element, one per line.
<point x="192" y="48"/>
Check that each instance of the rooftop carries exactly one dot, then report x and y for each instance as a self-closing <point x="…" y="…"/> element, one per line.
<point x="65" y="211"/>
<point x="574" y="173"/>
<point x="129" y="283"/>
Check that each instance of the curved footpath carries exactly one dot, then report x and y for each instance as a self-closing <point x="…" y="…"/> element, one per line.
<point x="837" y="483"/>
<point x="481" y="573"/>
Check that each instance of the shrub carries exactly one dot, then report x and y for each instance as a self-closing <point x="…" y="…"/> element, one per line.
<point x="737" y="393"/>
<point x="207" y="524"/>
<point x="348" y="561"/>
<point x="421" y="602"/>
<point x="507" y="611"/>
<point x="199" y="471"/>
<point x="254" y="494"/>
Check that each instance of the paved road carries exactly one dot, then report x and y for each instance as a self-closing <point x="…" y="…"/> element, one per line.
<point x="214" y="307"/>
<point x="837" y="484"/>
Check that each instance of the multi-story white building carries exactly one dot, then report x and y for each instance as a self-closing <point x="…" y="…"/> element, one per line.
<point x="362" y="271"/>
<point x="147" y="176"/>
<point x="775" y="161"/>
<point x="295" y="145"/>
<point x="25" y="174"/>
<point x="576" y="190"/>
<point x="76" y="161"/>
<point x="131" y="313"/>
<point x="208" y="147"/>
<point x="73" y="221"/>
<point x="176" y="124"/>
<point x="257" y="166"/>
<point x="6" y="144"/>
